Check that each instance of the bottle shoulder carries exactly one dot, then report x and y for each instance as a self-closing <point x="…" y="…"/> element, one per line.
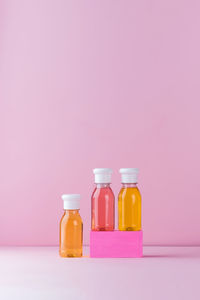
<point x="104" y="191"/>
<point x="68" y="218"/>
<point x="128" y="191"/>
<point x="94" y="192"/>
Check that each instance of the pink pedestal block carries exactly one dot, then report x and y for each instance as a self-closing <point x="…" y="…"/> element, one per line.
<point x="116" y="243"/>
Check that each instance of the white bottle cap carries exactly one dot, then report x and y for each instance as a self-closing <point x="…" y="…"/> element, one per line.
<point x="71" y="201"/>
<point x="129" y="175"/>
<point x="102" y="175"/>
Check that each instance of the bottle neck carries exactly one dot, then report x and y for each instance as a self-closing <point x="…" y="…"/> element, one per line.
<point x="71" y="212"/>
<point x="102" y="185"/>
<point x="129" y="185"/>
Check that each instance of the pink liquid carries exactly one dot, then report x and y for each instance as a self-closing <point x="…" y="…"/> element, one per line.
<point x="103" y="208"/>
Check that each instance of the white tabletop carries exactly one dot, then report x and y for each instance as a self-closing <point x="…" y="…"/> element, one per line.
<point x="28" y="273"/>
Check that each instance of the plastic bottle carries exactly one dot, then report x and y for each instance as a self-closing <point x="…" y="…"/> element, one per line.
<point x="129" y="201"/>
<point x="103" y="202"/>
<point x="71" y="227"/>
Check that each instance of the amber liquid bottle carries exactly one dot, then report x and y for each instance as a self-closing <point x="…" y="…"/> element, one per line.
<point x="129" y="202"/>
<point x="71" y="227"/>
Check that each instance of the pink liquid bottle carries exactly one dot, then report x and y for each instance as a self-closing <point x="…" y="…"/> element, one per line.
<point x="103" y="202"/>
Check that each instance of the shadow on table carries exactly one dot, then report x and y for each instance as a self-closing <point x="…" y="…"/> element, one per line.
<point x="173" y="255"/>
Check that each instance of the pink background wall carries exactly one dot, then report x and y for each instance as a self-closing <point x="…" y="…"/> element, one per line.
<point x="89" y="84"/>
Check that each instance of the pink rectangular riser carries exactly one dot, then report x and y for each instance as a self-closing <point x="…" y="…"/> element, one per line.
<point x="116" y="243"/>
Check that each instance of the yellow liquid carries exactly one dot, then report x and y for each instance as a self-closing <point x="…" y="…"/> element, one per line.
<point x="129" y="209"/>
<point x="71" y="234"/>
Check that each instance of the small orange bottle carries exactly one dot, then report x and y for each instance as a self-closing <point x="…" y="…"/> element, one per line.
<point x="71" y="227"/>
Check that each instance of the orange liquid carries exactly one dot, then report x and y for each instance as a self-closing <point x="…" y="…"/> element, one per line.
<point x="129" y="208"/>
<point x="71" y="234"/>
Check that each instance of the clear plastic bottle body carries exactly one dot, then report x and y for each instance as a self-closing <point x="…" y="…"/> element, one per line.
<point x="129" y="208"/>
<point x="71" y="234"/>
<point x="103" y="208"/>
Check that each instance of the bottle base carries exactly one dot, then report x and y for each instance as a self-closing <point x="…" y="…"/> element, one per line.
<point x="70" y="254"/>
<point x="129" y="228"/>
<point x="103" y="229"/>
